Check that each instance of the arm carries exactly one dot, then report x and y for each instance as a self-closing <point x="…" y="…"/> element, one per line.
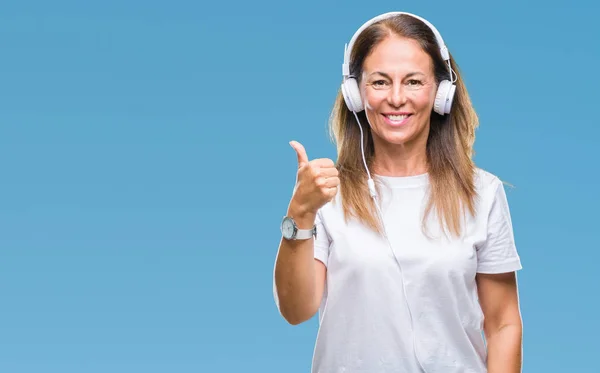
<point x="498" y="296"/>
<point x="299" y="278"/>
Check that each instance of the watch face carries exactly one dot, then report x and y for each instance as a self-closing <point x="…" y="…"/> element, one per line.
<point x="287" y="228"/>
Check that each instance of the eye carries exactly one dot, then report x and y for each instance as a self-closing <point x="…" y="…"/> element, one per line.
<point x="379" y="83"/>
<point x="414" y="82"/>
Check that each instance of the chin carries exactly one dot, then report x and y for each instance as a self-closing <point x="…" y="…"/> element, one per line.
<point x="396" y="135"/>
<point x="397" y="140"/>
<point x="399" y="136"/>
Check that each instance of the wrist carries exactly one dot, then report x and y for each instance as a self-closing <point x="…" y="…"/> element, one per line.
<point x="304" y="218"/>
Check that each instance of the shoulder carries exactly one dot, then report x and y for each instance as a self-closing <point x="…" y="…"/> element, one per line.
<point x="490" y="189"/>
<point x="486" y="182"/>
<point x="484" y="178"/>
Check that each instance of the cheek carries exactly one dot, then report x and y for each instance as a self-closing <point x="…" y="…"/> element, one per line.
<point x="423" y="99"/>
<point x="373" y="99"/>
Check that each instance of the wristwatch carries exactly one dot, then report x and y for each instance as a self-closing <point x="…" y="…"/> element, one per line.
<point x="290" y="230"/>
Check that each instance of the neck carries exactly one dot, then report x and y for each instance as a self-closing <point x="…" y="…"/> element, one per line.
<point x="408" y="159"/>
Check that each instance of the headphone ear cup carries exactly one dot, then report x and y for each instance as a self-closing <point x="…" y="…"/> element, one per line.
<point x="444" y="97"/>
<point x="351" y="95"/>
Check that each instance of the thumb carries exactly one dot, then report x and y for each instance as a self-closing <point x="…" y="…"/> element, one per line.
<point x="300" y="152"/>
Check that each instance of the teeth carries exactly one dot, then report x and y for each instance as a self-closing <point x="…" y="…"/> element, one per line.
<point x="397" y="117"/>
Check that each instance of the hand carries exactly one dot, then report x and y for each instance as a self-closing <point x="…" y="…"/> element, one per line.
<point x="316" y="183"/>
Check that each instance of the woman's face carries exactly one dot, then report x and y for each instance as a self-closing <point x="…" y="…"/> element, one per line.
<point x="398" y="89"/>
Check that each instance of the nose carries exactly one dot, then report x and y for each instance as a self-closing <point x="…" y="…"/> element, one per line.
<point x="397" y="96"/>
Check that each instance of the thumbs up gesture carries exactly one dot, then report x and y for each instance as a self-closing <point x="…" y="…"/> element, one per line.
<point x="317" y="181"/>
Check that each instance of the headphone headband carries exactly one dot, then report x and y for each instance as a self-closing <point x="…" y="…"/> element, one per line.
<point x="348" y="47"/>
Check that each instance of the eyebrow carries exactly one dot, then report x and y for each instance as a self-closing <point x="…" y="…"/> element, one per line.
<point x="411" y="74"/>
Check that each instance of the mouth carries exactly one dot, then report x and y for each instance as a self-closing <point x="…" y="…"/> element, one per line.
<point x="396" y="119"/>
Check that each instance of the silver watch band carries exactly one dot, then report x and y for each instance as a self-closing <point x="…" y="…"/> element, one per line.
<point x="305" y="234"/>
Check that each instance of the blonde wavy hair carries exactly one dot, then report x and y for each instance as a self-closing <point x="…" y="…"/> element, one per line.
<point x="450" y="166"/>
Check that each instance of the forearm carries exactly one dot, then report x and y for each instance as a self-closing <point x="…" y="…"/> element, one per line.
<point x="295" y="276"/>
<point x="504" y="349"/>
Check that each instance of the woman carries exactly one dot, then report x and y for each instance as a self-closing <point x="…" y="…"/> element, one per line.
<point x="404" y="246"/>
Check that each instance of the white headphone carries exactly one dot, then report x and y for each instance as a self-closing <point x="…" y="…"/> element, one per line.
<point x="351" y="92"/>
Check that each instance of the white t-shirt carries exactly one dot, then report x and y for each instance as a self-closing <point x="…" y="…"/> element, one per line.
<point x="365" y="319"/>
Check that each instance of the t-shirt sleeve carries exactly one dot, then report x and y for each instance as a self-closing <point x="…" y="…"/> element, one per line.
<point x="498" y="253"/>
<point x="323" y="240"/>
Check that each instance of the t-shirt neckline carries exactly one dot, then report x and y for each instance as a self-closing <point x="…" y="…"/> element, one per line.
<point x="404" y="181"/>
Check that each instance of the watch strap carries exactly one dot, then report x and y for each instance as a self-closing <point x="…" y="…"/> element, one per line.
<point x="305" y="234"/>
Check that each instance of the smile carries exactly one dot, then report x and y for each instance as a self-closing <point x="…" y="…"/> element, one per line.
<point x="396" y="119"/>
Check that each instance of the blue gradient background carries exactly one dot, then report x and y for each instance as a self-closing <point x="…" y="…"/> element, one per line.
<point x="145" y="169"/>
